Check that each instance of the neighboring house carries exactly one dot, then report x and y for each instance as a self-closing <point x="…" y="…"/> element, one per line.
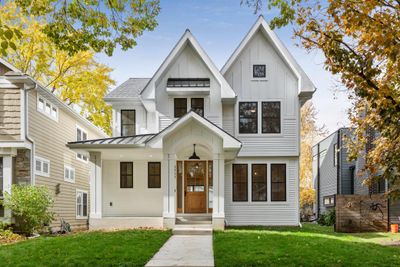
<point x="196" y="140"/>
<point x="35" y="127"/>
<point x="333" y="174"/>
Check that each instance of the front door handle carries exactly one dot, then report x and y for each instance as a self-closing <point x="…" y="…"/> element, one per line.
<point x="185" y="193"/>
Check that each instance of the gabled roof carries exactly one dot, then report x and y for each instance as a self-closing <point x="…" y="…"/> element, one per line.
<point x="229" y="141"/>
<point x="306" y="86"/>
<point x="131" y="88"/>
<point x="187" y="38"/>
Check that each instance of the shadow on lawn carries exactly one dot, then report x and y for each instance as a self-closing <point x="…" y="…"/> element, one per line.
<point x="292" y="247"/>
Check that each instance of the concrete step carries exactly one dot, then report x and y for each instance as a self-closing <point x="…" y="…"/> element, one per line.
<point x="198" y="229"/>
<point x="193" y="220"/>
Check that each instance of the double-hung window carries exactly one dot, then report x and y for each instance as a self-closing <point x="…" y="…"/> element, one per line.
<point x="154" y="174"/>
<point x="81" y="135"/>
<point x="81" y="204"/>
<point x="259" y="182"/>
<point x="239" y="182"/>
<point x="278" y="182"/>
<point x="271" y="117"/>
<point x="128" y="122"/>
<point x="248" y="117"/>
<point x="198" y="105"/>
<point x="180" y="107"/>
<point x="47" y="108"/>
<point x="69" y="174"/>
<point x="42" y="166"/>
<point x="126" y="174"/>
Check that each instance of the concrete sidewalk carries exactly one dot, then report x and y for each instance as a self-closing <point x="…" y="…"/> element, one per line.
<point x="185" y="250"/>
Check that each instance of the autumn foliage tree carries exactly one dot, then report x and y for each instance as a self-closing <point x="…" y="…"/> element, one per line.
<point x="361" y="44"/>
<point x="79" y="80"/>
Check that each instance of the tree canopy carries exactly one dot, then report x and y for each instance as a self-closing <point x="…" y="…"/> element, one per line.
<point x="361" y="44"/>
<point x="74" y="26"/>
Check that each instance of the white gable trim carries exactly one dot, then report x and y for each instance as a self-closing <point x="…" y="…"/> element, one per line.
<point x="229" y="142"/>
<point x="305" y="84"/>
<point x="226" y="91"/>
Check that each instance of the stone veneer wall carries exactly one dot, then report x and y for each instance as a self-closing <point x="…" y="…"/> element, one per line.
<point x="22" y="167"/>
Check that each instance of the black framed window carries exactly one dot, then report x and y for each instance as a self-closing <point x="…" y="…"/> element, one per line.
<point x="128" y="122"/>
<point x="329" y="201"/>
<point x="239" y="182"/>
<point x="259" y="71"/>
<point x="259" y="182"/>
<point x="197" y="105"/>
<point x="180" y="107"/>
<point x="271" y="117"/>
<point x="154" y="175"/>
<point x="126" y="175"/>
<point x="278" y="182"/>
<point x="248" y="117"/>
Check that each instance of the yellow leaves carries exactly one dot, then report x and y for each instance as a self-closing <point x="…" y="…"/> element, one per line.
<point x="78" y="80"/>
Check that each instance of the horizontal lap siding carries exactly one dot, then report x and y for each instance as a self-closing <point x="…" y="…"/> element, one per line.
<point x="10" y="114"/>
<point x="50" y="139"/>
<point x="268" y="213"/>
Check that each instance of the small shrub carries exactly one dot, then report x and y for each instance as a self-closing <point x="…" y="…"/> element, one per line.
<point x="7" y="236"/>
<point x="328" y="218"/>
<point x="30" y="207"/>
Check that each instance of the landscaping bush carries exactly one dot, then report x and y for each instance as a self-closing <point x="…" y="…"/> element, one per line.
<point x="30" y="207"/>
<point x="8" y="236"/>
<point x="328" y="218"/>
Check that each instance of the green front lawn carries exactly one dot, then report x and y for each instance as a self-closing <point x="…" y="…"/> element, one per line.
<point x="122" y="248"/>
<point x="312" y="245"/>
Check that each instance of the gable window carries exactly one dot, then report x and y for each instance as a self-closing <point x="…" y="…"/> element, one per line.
<point x="126" y="175"/>
<point x="128" y="122"/>
<point x="180" y="107"/>
<point x="259" y="182"/>
<point x="188" y="82"/>
<point x="42" y="166"/>
<point x="154" y="175"/>
<point x="278" y="182"/>
<point x="198" y="105"/>
<point x="81" y="204"/>
<point x="69" y="174"/>
<point x="271" y="117"/>
<point x="81" y="135"/>
<point x="239" y="182"/>
<point x="47" y="108"/>
<point x="248" y="117"/>
<point x="259" y="71"/>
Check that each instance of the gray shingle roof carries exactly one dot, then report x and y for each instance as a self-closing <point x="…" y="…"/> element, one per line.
<point x="130" y="88"/>
<point x="136" y="140"/>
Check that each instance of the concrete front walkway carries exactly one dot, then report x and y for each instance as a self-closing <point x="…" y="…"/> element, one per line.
<point x="185" y="250"/>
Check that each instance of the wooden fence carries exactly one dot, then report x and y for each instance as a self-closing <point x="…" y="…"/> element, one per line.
<point x="361" y="213"/>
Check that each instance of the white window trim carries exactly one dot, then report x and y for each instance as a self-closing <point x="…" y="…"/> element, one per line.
<point x="87" y="137"/>
<point x="259" y="118"/>
<point x="43" y="111"/>
<point x="69" y="168"/>
<point x="41" y="173"/>
<point x="262" y="79"/>
<point x="76" y="204"/>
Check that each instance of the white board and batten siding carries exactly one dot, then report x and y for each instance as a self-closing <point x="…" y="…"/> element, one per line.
<point x="280" y="84"/>
<point x="269" y="212"/>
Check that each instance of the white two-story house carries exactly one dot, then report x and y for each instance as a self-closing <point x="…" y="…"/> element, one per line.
<point x="196" y="140"/>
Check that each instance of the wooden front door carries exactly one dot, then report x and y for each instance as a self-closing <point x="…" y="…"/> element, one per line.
<point x="195" y="186"/>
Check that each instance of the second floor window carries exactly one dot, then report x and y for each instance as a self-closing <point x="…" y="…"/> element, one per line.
<point x="180" y="107"/>
<point x="271" y="117"/>
<point x="128" y="122"/>
<point x="248" y="117"/>
<point x="198" y="105"/>
<point x="81" y="135"/>
<point x="47" y="108"/>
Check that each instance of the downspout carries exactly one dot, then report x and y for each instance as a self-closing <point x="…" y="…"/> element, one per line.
<point x="318" y="182"/>
<point x="337" y="153"/>
<point x="27" y="137"/>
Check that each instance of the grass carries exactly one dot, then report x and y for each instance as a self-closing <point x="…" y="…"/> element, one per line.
<point x="121" y="248"/>
<point x="312" y="245"/>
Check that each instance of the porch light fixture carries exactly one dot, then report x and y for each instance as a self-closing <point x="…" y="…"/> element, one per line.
<point x="194" y="156"/>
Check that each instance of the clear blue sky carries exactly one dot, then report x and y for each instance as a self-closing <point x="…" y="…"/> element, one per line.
<point x="219" y="26"/>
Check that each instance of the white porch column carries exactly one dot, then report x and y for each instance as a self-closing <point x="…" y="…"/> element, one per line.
<point x="95" y="186"/>
<point x="168" y="177"/>
<point x="7" y="181"/>
<point x="218" y="216"/>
